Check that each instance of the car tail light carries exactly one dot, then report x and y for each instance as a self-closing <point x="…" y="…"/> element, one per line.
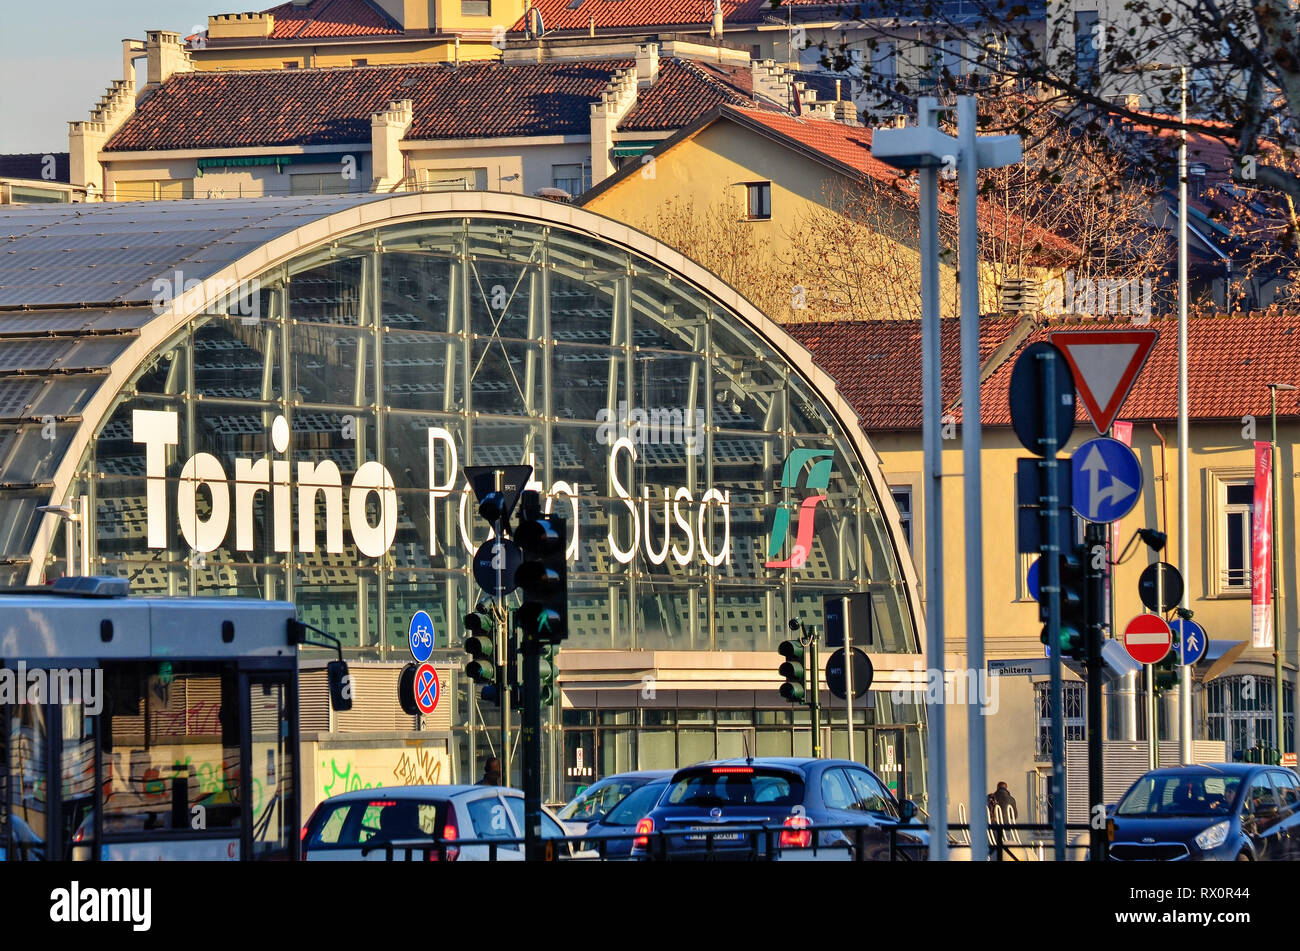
<point x="449" y="834"/>
<point x="733" y="769"/>
<point x="796" y="834"/>
<point x="643" y="830"/>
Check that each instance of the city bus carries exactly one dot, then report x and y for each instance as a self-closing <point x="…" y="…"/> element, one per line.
<point x="149" y="728"/>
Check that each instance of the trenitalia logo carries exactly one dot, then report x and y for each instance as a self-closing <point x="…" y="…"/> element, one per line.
<point x="818" y="463"/>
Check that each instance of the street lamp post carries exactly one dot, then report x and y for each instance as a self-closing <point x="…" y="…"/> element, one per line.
<point x="1277" y="576"/>
<point x="73" y="519"/>
<point x="1184" y="556"/>
<point x="925" y="148"/>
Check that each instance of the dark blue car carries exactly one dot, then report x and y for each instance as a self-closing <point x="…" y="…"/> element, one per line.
<point x="1217" y="812"/>
<point x="712" y="810"/>
<point x="624" y="818"/>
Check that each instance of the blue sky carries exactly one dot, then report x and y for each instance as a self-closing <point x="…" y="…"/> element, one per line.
<point x="57" y="58"/>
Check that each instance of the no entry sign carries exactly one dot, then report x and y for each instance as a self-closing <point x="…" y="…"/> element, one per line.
<point x="1147" y="638"/>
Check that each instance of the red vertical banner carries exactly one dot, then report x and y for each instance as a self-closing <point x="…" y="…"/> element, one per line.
<point x="1123" y="431"/>
<point x="1261" y="550"/>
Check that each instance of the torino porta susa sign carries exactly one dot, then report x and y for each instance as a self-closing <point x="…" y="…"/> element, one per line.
<point x="316" y="483"/>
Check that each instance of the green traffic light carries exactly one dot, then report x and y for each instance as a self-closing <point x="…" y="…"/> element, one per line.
<point x="792" y="670"/>
<point x="793" y="692"/>
<point x="480" y="671"/>
<point x="479" y="647"/>
<point x="792" y="650"/>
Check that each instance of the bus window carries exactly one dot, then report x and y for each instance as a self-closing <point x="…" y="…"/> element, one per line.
<point x="273" y="764"/>
<point x="171" y="750"/>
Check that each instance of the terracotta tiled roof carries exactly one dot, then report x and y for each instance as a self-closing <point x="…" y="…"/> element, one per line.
<point x="280" y="107"/>
<point x="848" y="144"/>
<point x="684" y="91"/>
<point x="877" y="367"/>
<point x="876" y="364"/>
<point x="851" y="146"/>
<point x="328" y="18"/>
<point x="559" y="15"/>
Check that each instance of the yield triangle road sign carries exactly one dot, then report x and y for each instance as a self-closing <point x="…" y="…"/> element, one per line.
<point x="1105" y="363"/>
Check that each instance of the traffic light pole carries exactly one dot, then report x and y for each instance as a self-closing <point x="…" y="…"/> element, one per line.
<point x="532" y="729"/>
<point x="1094" y="602"/>
<point x="814" y="694"/>
<point x="504" y="660"/>
<point x="1051" y="585"/>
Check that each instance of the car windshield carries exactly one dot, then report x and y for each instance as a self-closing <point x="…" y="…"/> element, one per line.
<point x="378" y="820"/>
<point x="1181" y="794"/>
<point x="598" y="799"/>
<point x="736" y="786"/>
<point x="635" y="807"/>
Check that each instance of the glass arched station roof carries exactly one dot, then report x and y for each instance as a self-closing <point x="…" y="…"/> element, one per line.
<point x="276" y="397"/>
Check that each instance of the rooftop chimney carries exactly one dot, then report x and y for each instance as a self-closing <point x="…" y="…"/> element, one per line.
<point x="647" y="64"/>
<point x="716" y="30"/>
<point x="167" y="56"/>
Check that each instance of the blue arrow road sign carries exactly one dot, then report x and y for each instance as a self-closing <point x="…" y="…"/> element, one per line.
<point x="1107" y="480"/>
<point x="1190" y="640"/>
<point x="420" y="635"/>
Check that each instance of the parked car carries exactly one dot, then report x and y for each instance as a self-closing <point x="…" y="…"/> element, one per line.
<point x="1224" y="811"/>
<point x="468" y="816"/>
<point x="793" y="797"/>
<point x="595" y="802"/>
<point x="624" y="817"/>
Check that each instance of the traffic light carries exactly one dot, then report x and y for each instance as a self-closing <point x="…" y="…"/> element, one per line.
<point x="795" y="688"/>
<point x="480" y="645"/>
<point x="493" y="507"/>
<point x="546" y="665"/>
<point x="1164" y="675"/>
<point x="1073" y="640"/>
<point x="542" y="576"/>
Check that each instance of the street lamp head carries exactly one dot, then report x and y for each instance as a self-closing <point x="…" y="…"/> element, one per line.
<point x="62" y="511"/>
<point x="1154" y="540"/>
<point x="1285" y="387"/>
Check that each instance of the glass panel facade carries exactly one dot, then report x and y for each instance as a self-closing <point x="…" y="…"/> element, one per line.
<point x="682" y="444"/>
<point x="310" y="444"/>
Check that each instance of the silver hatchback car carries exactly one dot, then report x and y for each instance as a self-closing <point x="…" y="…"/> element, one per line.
<point x="466" y="818"/>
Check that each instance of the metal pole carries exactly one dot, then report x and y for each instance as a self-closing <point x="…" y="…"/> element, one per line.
<point x="83" y="520"/>
<point x="1051" y="513"/>
<point x="1095" y="594"/>
<point x="532" y="727"/>
<point x="1277" y="578"/>
<point x="1153" y="750"/>
<point x="814" y="680"/>
<point x="848" y="680"/>
<point x="931" y="407"/>
<point x="1184" y="556"/>
<point x="971" y="439"/>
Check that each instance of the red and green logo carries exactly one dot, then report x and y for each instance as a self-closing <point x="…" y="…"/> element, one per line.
<point x="817" y="463"/>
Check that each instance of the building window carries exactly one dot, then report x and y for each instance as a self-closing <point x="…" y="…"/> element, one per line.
<point x="1086" y="46"/>
<point x="1239" y="711"/>
<point x="759" y="204"/>
<point x="903" y="502"/>
<point x="291" y="64"/>
<point x="452" y="179"/>
<point x="1072" y="706"/>
<point x="360" y="62"/>
<point x="475" y="8"/>
<point x="567" y="178"/>
<point x="1235" y="501"/>
<point x="756" y="51"/>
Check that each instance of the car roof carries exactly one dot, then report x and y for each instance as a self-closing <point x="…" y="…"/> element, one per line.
<point x="418" y="792"/>
<point x="793" y="763"/>
<point x="1226" y="769"/>
<point x="646" y="774"/>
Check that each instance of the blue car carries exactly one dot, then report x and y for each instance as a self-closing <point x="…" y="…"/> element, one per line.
<point x="791" y="799"/>
<point x="594" y="803"/>
<point x="624" y="818"/>
<point x="1218" y="812"/>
